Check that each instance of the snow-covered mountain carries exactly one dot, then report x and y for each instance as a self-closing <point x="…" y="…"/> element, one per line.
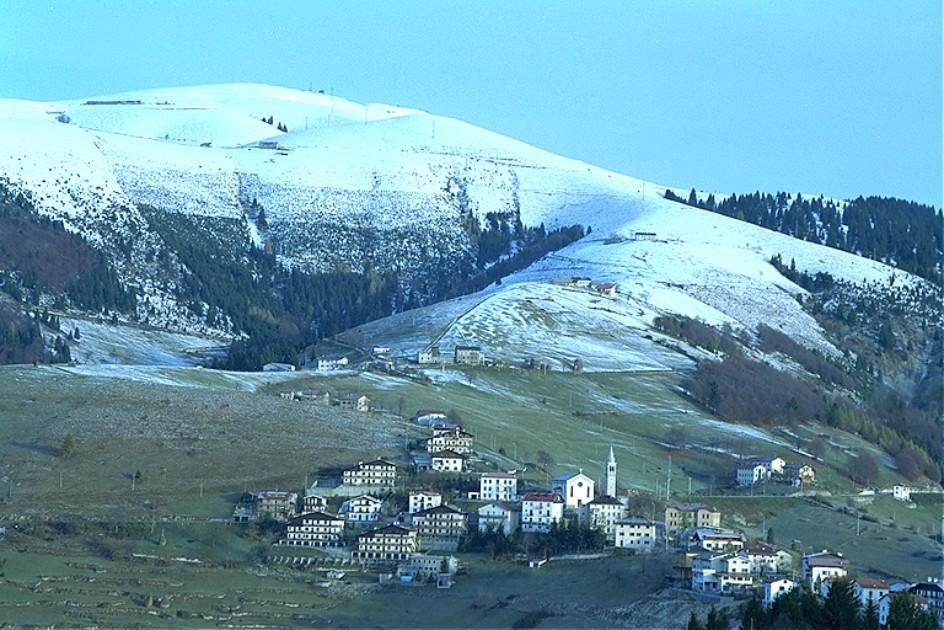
<point x="352" y="186"/>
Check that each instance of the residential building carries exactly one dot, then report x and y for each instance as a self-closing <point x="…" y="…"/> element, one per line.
<point x="799" y="474"/>
<point x="469" y="355"/>
<point x="439" y="528"/>
<point x="775" y="588"/>
<point x="714" y="572"/>
<point x="636" y="533"/>
<point x="575" y="488"/>
<point x="932" y="592"/>
<point x="902" y="493"/>
<point x="500" y="516"/>
<point x="727" y="540"/>
<point x="386" y="544"/>
<point x="822" y="565"/>
<point x="451" y="439"/>
<point x="750" y="473"/>
<point x="869" y="590"/>
<point x="277" y="504"/>
<point x="315" y="529"/>
<point x="498" y="486"/>
<point x="766" y="560"/>
<point x="774" y="465"/>
<point x="420" y="501"/>
<point x="421" y="566"/>
<point x="606" y="288"/>
<point x="378" y="472"/>
<point x="690" y="515"/>
<point x="327" y="362"/>
<point x="539" y="510"/>
<point x="609" y="475"/>
<point x="313" y="503"/>
<point x="603" y="513"/>
<point x="362" y="509"/>
<point x="429" y="355"/>
<point x="447" y="461"/>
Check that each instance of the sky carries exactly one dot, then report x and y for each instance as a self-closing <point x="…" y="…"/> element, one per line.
<point x="839" y="98"/>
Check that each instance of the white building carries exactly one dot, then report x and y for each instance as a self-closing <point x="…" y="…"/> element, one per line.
<point x="869" y="590"/>
<point x="603" y="513"/>
<point x="362" y="509"/>
<point x="379" y="472"/>
<point x="314" y="503"/>
<point x="750" y="474"/>
<point x="727" y="540"/>
<point x="332" y="363"/>
<point x="439" y="528"/>
<point x="386" y="544"/>
<point x="765" y="560"/>
<point x="498" y="486"/>
<point x="420" y="501"/>
<point x="469" y="355"/>
<point x="773" y="465"/>
<point x="902" y="493"/>
<point x="635" y="533"/>
<point x="428" y="355"/>
<point x="447" y="461"/>
<point x="500" y="516"/>
<point x="451" y="439"/>
<point x="575" y="488"/>
<point x="609" y="475"/>
<point x="539" y="510"/>
<point x="775" y="588"/>
<point x="315" y="529"/>
<point x="818" y="567"/>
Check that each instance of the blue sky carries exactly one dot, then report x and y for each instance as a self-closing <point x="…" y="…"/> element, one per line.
<point x="841" y="98"/>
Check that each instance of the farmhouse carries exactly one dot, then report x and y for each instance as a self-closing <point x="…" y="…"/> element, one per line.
<point x="689" y="515"/>
<point x="451" y="438"/>
<point x="439" y="528"/>
<point x="603" y="513"/>
<point x="358" y="403"/>
<point x="362" y="509"/>
<point x="315" y="529"/>
<point x="378" y="472"/>
<point x="823" y="565"/>
<point x="799" y="474"/>
<point x="902" y="493"/>
<point x="447" y="461"/>
<point x="606" y="288"/>
<point x="386" y="544"/>
<point x="773" y="465"/>
<point x="500" y="516"/>
<point x="277" y="504"/>
<point x="428" y="355"/>
<point x="539" y="510"/>
<point x="574" y="488"/>
<point x="423" y="500"/>
<point x="635" y="533"/>
<point x="498" y="486"/>
<point x="469" y="355"/>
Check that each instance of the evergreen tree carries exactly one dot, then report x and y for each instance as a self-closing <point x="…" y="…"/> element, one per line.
<point x="754" y="615"/>
<point x="869" y="617"/>
<point x="692" y="198"/>
<point x="717" y="619"/>
<point x="904" y="613"/>
<point x="841" y="607"/>
<point x="693" y="623"/>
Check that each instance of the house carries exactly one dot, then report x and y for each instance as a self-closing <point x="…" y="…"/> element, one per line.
<point x="539" y="510"/>
<point x="690" y="515"/>
<point x="451" y="439"/>
<point x="447" y="461"/>
<point x="358" y="403"/>
<point x="277" y="504"/>
<point x="575" y="488"/>
<point x="421" y="566"/>
<point x="773" y="465"/>
<point x="278" y="367"/>
<point x="765" y="560"/>
<point x="634" y="532"/>
<point x="381" y="350"/>
<point x="644" y="236"/>
<point x="869" y="590"/>
<point x="932" y="592"/>
<point x="500" y="516"/>
<point x="714" y="572"/>
<point x="313" y="503"/>
<point x="581" y="282"/>
<point x="428" y="355"/>
<point x="420" y="501"/>
<point x="607" y="289"/>
<point x="386" y="544"/>
<point x="727" y="540"/>
<point x="822" y="565"/>
<point x="799" y="474"/>
<point x="498" y="486"/>
<point x="362" y="509"/>
<point x="469" y="355"/>
<point x="902" y="493"/>
<point x="422" y="461"/>
<point x="378" y="472"/>
<point x="773" y="589"/>
<point x="430" y="418"/>
<point x="331" y="362"/>
<point x="603" y="513"/>
<point x="315" y="529"/>
<point x="750" y="473"/>
<point x="439" y="528"/>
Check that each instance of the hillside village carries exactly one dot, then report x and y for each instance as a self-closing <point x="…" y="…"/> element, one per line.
<point x="412" y="522"/>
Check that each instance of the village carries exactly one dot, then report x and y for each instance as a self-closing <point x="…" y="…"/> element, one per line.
<point x="411" y="523"/>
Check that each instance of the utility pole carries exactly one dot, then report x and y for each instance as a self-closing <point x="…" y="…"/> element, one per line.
<point x="689" y="486"/>
<point x="60" y="480"/>
<point x="668" y="481"/>
<point x="201" y="488"/>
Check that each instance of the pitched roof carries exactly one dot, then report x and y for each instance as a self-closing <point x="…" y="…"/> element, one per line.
<point x="447" y="454"/>
<point x="314" y="516"/>
<point x="691" y="507"/>
<point x="439" y="509"/>
<point x="825" y="559"/>
<point x="567" y="476"/>
<point x="499" y="475"/>
<point x="544" y="497"/>
<point x="871" y="583"/>
<point x="637" y="520"/>
<point x="373" y="462"/>
<point x="604" y="500"/>
<point x="395" y="530"/>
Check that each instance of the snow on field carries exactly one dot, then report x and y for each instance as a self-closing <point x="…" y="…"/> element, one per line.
<point x="190" y="377"/>
<point x="104" y="343"/>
